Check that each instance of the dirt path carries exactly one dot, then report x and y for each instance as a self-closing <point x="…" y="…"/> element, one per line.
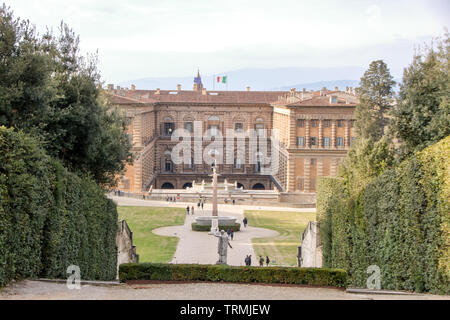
<point x="36" y="290"/>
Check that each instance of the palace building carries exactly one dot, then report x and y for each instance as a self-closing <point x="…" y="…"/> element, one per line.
<point x="315" y="131"/>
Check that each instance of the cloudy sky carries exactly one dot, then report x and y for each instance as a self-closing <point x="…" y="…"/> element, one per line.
<point x="164" y="38"/>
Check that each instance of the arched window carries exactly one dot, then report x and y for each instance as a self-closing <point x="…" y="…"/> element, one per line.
<point x="187" y="185"/>
<point x="167" y="185"/>
<point x="258" y="186"/>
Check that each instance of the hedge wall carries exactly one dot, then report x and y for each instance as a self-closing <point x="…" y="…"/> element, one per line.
<point x="216" y="273"/>
<point x="399" y="222"/>
<point x="197" y="227"/>
<point x="51" y="218"/>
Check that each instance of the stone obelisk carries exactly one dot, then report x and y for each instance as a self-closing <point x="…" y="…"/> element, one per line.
<point x="215" y="211"/>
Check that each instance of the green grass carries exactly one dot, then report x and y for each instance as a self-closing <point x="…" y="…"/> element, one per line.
<point x="142" y="220"/>
<point x="283" y="248"/>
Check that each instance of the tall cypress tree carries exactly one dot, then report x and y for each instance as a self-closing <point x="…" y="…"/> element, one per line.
<point x="376" y="96"/>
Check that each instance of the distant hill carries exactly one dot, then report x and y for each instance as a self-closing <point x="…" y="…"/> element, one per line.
<point x="319" y="85"/>
<point x="260" y="79"/>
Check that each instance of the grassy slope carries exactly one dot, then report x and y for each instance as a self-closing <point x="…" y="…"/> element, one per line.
<point x="290" y="225"/>
<point x="142" y="220"/>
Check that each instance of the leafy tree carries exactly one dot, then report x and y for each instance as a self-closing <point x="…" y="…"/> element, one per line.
<point x="52" y="92"/>
<point x="422" y="116"/>
<point x="376" y="97"/>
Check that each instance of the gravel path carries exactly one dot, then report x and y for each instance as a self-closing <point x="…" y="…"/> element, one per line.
<point x="36" y="290"/>
<point x="201" y="248"/>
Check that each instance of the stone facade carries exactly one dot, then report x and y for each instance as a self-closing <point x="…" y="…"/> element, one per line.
<point x="126" y="251"/>
<point x="315" y="132"/>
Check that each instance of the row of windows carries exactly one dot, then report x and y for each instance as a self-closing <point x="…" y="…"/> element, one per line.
<point x="169" y="127"/>
<point x="326" y="123"/>
<point x="326" y="141"/>
<point x="168" y="165"/>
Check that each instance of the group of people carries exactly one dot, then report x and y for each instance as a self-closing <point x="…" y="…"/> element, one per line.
<point x="117" y="192"/>
<point x="248" y="260"/>
<point x="171" y="199"/>
<point x="191" y="210"/>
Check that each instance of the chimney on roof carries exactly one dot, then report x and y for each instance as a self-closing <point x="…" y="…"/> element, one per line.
<point x="350" y="90"/>
<point x="292" y="91"/>
<point x="110" y="87"/>
<point x="195" y="87"/>
<point x="133" y="87"/>
<point x="178" y="87"/>
<point x="346" y="89"/>
<point x="336" y="88"/>
<point x="157" y="91"/>
<point x="323" y="92"/>
<point x="204" y="91"/>
<point x="247" y="88"/>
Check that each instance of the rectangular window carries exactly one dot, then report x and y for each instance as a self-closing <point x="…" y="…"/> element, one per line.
<point x="313" y="161"/>
<point x="312" y="185"/>
<point x="326" y="123"/>
<point x="300" y="141"/>
<point x="214" y="129"/>
<point x="168" y="128"/>
<point x="237" y="163"/>
<point x="259" y="127"/>
<point x="313" y="123"/>
<point x="238" y="127"/>
<point x="340" y="123"/>
<point x="313" y="141"/>
<point x="189" y="127"/>
<point x="301" y="123"/>
<point x="301" y="182"/>
<point x="326" y="142"/>
<point x="340" y="142"/>
<point x="352" y="140"/>
<point x="352" y="123"/>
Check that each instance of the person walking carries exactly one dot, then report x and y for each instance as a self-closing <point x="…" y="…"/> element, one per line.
<point x="229" y="233"/>
<point x="202" y="206"/>
<point x="245" y="221"/>
<point x="232" y="233"/>
<point x="187" y="210"/>
<point x="192" y="210"/>
<point x="261" y="261"/>
<point x="246" y="260"/>
<point x="250" y="260"/>
<point x="267" y="261"/>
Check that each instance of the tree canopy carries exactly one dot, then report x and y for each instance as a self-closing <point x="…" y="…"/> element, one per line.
<point x="48" y="89"/>
<point x="422" y="116"/>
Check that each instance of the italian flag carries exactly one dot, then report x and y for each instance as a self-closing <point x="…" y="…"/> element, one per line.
<point x="222" y="79"/>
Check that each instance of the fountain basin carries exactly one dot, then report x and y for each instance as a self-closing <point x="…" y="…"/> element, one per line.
<point x="223" y="220"/>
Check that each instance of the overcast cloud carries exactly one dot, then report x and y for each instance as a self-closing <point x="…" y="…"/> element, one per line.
<point x="146" y="38"/>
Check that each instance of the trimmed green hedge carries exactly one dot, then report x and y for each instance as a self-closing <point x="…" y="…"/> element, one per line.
<point x="51" y="218"/>
<point x="400" y="222"/>
<point x="197" y="227"/>
<point x="217" y="273"/>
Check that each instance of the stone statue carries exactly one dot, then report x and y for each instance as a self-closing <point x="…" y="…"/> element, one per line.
<point x="222" y="247"/>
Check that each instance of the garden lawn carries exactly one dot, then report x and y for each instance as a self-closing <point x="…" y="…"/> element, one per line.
<point x="142" y="220"/>
<point x="282" y="250"/>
